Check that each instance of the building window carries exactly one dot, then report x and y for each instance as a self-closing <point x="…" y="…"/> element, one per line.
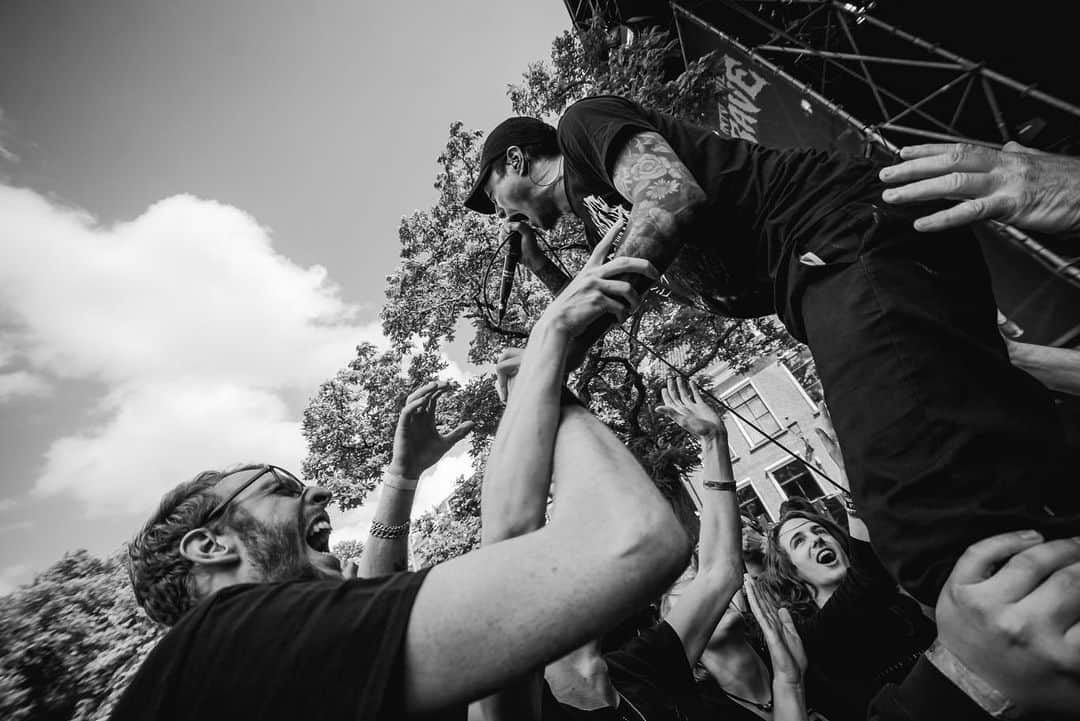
<point x="795" y="479"/>
<point x="750" y="504"/>
<point x="746" y="402"/>
<point x="801" y="367"/>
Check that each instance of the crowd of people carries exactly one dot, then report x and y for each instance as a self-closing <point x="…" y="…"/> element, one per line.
<point x="951" y="590"/>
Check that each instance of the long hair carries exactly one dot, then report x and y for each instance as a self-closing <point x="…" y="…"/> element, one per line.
<point x="781" y="578"/>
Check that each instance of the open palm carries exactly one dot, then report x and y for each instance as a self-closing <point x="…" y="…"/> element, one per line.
<point x="418" y="445"/>
<point x="684" y="405"/>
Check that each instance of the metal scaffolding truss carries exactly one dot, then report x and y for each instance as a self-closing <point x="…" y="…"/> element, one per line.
<point x="907" y="89"/>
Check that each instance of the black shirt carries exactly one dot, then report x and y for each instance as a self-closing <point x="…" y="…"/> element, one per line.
<point x="763" y="203"/>
<point x="866" y="635"/>
<point x="301" y="650"/>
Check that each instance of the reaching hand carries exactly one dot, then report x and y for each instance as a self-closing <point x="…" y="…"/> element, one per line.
<point x="1017" y="185"/>
<point x="1010" y="612"/>
<point x="418" y="445"/>
<point x="506" y="368"/>
<point x="593" y="291"/>
<point x="785" y="646"/>
<point x="684" y="405"/>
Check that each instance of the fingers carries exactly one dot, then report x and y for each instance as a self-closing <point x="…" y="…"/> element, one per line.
<point x="944" y="185"/>
<point x="422" y="391"/>
<point x="980" y="560"/>
<point x="1014" y="147"/>
<point x="1030" y="567"/>
<point x="1058" y="598"/>
<point x="350" y="570"/>
<point x="622" y="290"/>
<point x="626" y="264"/>
<point x="458" y="433"/>
<point x="926" y="149"/>
<point x="600" y="252"/>
<point x="964" y="213"/>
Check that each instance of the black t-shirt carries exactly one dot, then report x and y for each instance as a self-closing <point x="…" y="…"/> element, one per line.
<point x="763" y="203"/>
<point x="868" y="634"/>
<point x="301" y="650"/>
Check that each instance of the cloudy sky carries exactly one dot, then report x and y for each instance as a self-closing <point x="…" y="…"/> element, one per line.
<point x="198" y="206"/>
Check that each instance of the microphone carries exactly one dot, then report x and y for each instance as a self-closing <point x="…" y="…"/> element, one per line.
<point x="513" y="255"/>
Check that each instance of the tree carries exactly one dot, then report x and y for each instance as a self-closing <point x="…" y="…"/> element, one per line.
<point x="445" y="278"/>
<point x="69" y="639"/>
<point x="348" y="549"/>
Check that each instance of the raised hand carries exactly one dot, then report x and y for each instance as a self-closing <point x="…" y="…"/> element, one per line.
<point x="684" y="405"/>
<point x="1018" y="185"/>
<point x="594" y="292"/>
<point x="418" y="445"/>
<point x="1010" y="613"/>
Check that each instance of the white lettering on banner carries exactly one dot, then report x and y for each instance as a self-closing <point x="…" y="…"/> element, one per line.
<point x="743" y="86"/>
<point x="604" y="217"/>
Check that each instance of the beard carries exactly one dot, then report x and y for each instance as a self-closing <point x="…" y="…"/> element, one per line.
<point x="274" y="553"/>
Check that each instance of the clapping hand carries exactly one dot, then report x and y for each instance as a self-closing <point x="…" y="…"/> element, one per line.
<point x="785" y="646"/>
<point x="684" y="405"/>
<point x="418" y="445"/>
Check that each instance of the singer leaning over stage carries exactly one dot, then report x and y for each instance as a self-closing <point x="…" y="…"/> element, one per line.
<point x="945" y="442"/>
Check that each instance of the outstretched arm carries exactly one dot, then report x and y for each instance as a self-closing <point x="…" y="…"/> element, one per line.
<point x="613" y="541"/>
<point x="667" y="202"/>
<point x="720" y="568"/>
<point x="418" y="445"/>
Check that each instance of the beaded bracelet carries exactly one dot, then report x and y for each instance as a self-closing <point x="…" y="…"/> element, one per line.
<point x="389" y="532"/>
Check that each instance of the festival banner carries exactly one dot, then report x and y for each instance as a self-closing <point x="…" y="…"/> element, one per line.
<point x="762" y="104"/>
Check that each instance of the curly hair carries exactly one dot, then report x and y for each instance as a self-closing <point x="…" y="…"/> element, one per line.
<point x="160" y="575"/>
<point x="781" y="578"/>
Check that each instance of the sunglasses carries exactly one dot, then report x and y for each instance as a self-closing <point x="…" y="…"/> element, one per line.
<point x="280" y="474"/>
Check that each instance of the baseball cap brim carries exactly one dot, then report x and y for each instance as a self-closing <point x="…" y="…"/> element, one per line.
<point x="478" y="200"/>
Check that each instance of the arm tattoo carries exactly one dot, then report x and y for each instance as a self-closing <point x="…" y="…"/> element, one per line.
<point x="667" y="199"/>
<point x="665" y="195"/>
<point x="551" y="276"/>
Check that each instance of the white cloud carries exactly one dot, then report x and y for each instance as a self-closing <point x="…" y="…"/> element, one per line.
<point x="435" y="485"/>
<point x="193" y="323"/>
<point x="22" y="383"/>
<point x="12" y="576"/>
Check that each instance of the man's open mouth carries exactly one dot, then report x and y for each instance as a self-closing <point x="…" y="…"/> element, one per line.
<point x="825" y="556"/>
<point x="318" y="534"/>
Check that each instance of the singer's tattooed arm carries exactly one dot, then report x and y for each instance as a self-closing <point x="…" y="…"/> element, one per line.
<point x="549" y="274"/>
<point x="667" y="200"/>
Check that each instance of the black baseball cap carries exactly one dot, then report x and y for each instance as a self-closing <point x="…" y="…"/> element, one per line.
<point x="510" y="132"/>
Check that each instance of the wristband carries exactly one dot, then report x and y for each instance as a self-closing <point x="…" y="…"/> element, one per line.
<point x="389" y="531"/>
<point x="402" y="484"/>
<point x="972" y="684"/>
<point x="720" y="486"/>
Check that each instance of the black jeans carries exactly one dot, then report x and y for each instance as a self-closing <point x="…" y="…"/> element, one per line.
<point x="945" y="442"/>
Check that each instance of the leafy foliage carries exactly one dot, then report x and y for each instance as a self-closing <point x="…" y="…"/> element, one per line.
<point x="445" y="279"/>
<point x="348" y="549"/>
<point x="71" y="640"/>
